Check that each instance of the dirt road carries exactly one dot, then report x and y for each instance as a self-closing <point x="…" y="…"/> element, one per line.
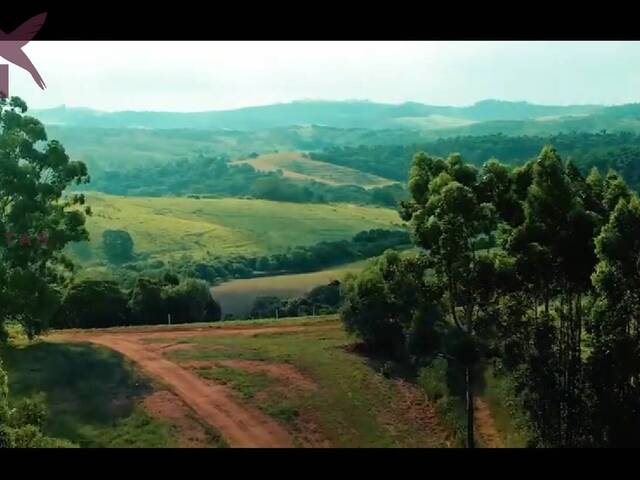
<point x="241" y="425"/>
<point x="485" y="425"/>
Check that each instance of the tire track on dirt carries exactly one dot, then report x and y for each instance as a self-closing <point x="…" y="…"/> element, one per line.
<point x="241" y="425"/>
<point x="485" y="425"/>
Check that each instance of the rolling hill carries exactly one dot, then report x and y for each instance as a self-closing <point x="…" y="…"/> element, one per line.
<point x="298" y="166"/>
<point x="340" y="114"/>
<point x="122" y="140"/>
<point x="172" y="227"/>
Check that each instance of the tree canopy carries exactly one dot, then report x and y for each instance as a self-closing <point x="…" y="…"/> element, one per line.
<point x="553" y="303"/>
<point x="37" y="218"/>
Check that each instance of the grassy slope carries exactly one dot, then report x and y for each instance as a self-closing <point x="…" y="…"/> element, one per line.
<point x="93" y="395"/>
<point x="295" y="166"/>
<point x="169" y="227"/>
<point x="237" y="296"/>
<point x="353" y="406"/>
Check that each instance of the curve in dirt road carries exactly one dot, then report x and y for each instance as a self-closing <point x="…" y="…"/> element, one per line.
<point x="241" y="425"/>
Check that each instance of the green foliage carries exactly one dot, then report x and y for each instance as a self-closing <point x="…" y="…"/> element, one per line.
<point x="381" y="303"/>
<point x="509" y="413"/>
<point x="92" y="394"/>
<point x="604" y="151"/>
<point x="191" y="302"/>
<point x="321" y="300"/>
<point x="93" y="304"/>
<point x="104" y="303"/>
<point x="265" y="306"/>
<point x="448" y="215"/>
<point x="21" y="424"/>
<point x="442" y="384"/>
<point x="30" y="411"/>
<point x="365" y="244"/>
<point x="36" y="219"/>
<point x="147" y="304"/>
<point x="216" y="177"/>
<point x="117" y="246"/>
<point x="613" y="366"/>
<point x="556" y="282"/>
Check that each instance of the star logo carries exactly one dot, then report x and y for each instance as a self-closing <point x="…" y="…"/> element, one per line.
<point x="11" y="49"/>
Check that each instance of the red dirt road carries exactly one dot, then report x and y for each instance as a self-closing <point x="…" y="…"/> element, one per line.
<point x="485" y="425"/>
<point x="241" y="425"/>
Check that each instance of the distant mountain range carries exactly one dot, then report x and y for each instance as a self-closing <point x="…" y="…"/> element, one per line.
<point x="339" y="114"/>
<point x="122" y="140"/>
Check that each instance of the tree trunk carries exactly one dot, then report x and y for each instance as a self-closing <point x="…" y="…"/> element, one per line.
<point x="470" y="429"/>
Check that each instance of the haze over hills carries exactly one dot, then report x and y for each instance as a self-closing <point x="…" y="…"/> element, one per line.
<point x="122" y="140"/>
<point x="340" y="114"/>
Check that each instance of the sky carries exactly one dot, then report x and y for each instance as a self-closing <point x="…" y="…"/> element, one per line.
<point x="197" y="76"/>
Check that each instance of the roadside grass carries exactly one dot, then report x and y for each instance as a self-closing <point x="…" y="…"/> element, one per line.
<point x="93" y="394"/>
<point x="442" y="387"/>
<point x="239" y="324"/>
<point x="508" y="413"/>
<point x="350" y="403"/>
<point x="247" y="384"/>
<point x="445" y="388"/>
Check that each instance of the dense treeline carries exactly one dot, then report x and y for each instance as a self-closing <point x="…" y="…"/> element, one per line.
<point x="554" y="306"/>
<point x="618" y="151"/>
<point x="321" y="300"/>
<point x="299" y="259"/>
<point x="105" y="303"/>
<point x="214" y="270"/>
<point x="215" y="177"/>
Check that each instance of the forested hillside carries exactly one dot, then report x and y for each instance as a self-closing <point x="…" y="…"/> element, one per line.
<point x="619" y="151"/>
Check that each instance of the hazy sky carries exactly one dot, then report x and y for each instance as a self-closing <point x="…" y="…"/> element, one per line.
<point x="191" y="76"/>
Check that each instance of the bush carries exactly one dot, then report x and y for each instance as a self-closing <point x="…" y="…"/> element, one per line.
<point x="117" y="246"/>
<point x="368" y="312"/>
<point x="147" y="304"/>
<point x="30" y="411"/>
<point x="7" y="436"/>
<point x="191" y="302"/>
<point x="21" y="427"/>
<point x="93" y="304"/>
<point x="265" y="307"/>
<point x="28" y="436"/>
<point x="380" y="302"/>
<point x="326" y="295"/>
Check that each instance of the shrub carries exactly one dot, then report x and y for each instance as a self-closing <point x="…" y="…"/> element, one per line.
<point x="117" y="246"/>
<point x="30" y="411"/>
<point x="93" y="304"/>
<point x="191" y="302"/>
<point x="147" y="304"/>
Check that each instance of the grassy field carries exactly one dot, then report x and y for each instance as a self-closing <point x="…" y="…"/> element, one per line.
<point x="94" y="397"/>
<point x="170" y="227"/>
<point x="310" y="380"/>
<point x="307" y="373"/>
<point x="296" y="166"/>
<point x="338" y="398"/>
<point x="237" y="296"/>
